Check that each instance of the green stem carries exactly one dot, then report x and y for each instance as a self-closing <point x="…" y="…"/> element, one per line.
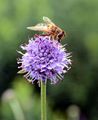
<point x="43" y="100"/>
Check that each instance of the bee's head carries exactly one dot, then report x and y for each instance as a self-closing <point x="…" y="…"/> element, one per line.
<point x="61" y="35"/>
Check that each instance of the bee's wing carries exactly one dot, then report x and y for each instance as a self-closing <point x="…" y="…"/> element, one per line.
<point x="47" y="20"/>
<point x="38" y="27"/>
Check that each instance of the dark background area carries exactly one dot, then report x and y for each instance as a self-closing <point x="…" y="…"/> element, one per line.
<point x="76" y="97"/>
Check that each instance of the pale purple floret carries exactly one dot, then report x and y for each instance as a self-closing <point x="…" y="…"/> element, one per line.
<point x="44" y="59"/>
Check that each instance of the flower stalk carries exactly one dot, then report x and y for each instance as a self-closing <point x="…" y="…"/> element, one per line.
<point x="43" y="100"/>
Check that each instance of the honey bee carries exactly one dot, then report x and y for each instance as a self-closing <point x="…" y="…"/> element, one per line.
<point x="49" y="28"/>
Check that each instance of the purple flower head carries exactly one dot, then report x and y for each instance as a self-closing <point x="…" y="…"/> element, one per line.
<point x="44" y="59"/>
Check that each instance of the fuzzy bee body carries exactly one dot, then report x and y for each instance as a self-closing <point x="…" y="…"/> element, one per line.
<point x="49" y="28"/>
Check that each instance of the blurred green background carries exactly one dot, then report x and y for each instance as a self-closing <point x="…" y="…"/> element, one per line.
<point x="76" y="97"/>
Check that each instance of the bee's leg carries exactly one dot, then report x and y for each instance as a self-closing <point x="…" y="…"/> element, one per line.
<point x="51" y="37"/>
<point x="59" y="40"/>
<point x="45" y="34"/>
<point x="36" y="35"/>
